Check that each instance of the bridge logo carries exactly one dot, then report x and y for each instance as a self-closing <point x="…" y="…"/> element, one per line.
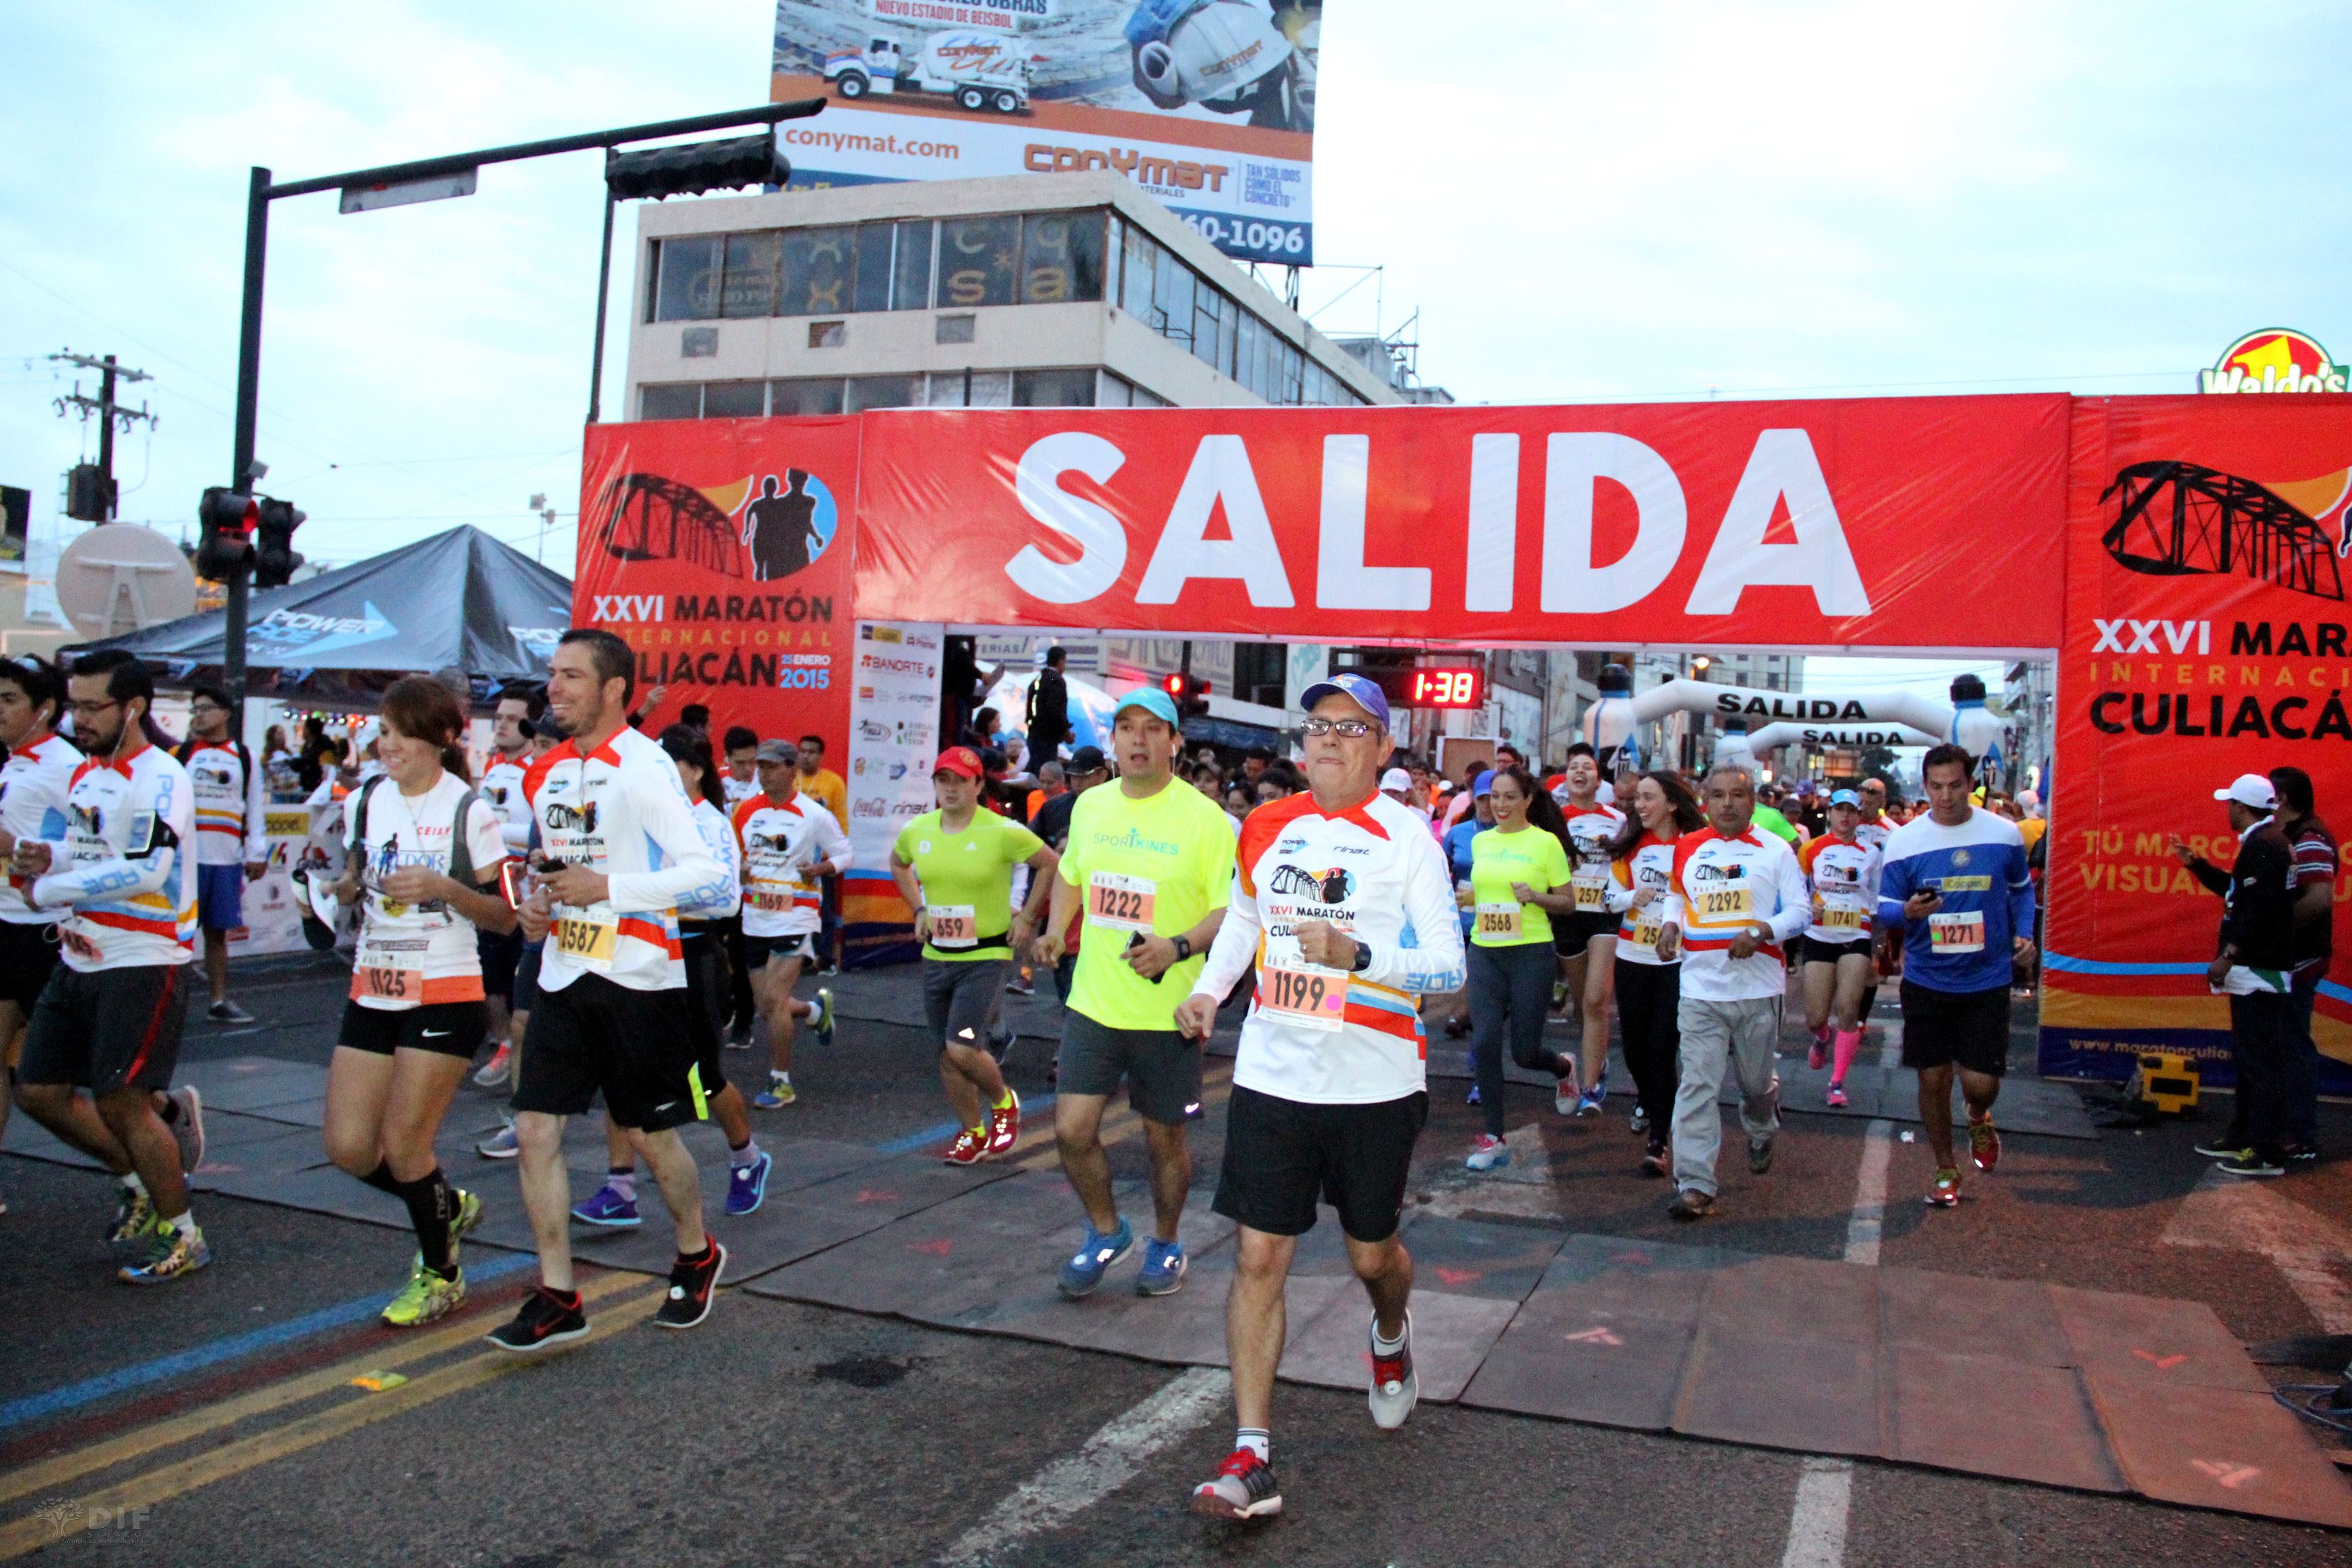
<point x="765" y="527"/>
<point x="2182" y="519"/>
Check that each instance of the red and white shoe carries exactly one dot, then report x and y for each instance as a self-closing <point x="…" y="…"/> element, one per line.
<point x="1243" y="1488"/>
<point x="1005" y="1123"/>
<point x="969" y="1148"/>
<point x="1984" y="1144"/>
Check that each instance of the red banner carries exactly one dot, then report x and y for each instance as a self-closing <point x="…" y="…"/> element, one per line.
<point x="1911" y="524"/>
<point x="718" y="550"/>
<point x="2205" y="638"/>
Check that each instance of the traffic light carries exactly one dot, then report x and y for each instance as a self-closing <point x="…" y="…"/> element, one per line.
<point x="227" y="518"/>
<point x="696" y="167"/>
<point x="275" y="557"/>
<point x="1190" y="695"/>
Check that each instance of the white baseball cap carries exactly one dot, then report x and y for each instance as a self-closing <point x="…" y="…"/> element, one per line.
<point x="2250" y="790"/>
<point x="1397" y="779"/>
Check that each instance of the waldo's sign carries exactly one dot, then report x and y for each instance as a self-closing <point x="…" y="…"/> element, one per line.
<point x="2273" y="360"/>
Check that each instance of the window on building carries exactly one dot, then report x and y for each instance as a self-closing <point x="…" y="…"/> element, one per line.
<point x="1061" y="258"/>
<point x="1113" y="392"/>
<point x="816" y="271"/>
<point x="978" y="257"/>
<point x="750" y="284"/>
<point x="882" y="391"/>
<point x="734" y="399"/>
<point x="1208" y="306"/>
<point x="1259" y="669"/>
<point x="1172" y="296"/>
<point x="1052" y="388"/>
<point x="872" y="289"/>
<point x="911" y="267"/>
<point x="816" y="395"/>
<point x="670" y="400"/>
<point x="953" y="330"/>
<point x="828" y="334"/>
<point x="688" y="274"/>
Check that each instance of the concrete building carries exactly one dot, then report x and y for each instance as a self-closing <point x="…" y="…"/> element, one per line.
<point x="1015" y="293"/>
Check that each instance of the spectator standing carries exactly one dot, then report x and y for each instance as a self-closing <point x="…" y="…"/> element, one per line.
<point x="2314" y="939"/>
<point x="1048" y="715"/>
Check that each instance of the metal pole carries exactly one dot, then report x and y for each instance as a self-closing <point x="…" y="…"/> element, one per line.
<point x="249" y="397"/>
<point x="604" y="291"/>
<point x="106" y="442"/>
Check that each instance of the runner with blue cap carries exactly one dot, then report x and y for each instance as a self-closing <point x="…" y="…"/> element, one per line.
<point x="1841" y="869"/>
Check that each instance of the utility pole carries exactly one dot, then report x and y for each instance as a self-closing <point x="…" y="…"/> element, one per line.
<point x="96" y="501"/>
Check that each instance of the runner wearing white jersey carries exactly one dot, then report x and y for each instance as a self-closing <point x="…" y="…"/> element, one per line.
<point x="616" y="1203"/>
<point x="232" y="844"/>
<point x="1649" y="983"/>
<point x="33" y="787"/>
<point x="120" y="883"/>
<point x="789" y="840"/>
<point x="1343" y="901"/>
<point x="1843" y="870"/>
<point x="1875" y="829"/>
<point x="620" y="853"/>
<point x="423" y="854"/>
<point x="1586" y="937"/>
<point x="1737" y="898"/>
<point x="501" y="786"/>
<point x="738" y="782"/>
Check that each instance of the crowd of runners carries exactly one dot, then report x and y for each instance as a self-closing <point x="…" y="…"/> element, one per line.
<point x="610" y="911"/>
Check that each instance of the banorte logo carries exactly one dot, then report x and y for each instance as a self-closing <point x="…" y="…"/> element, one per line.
<point x="2276" y="359"/>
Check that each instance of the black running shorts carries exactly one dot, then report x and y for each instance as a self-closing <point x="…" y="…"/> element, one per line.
<point x="110" y="1030"/>
<point x="445" y="1028"/>
<point x="1819" y="951"/>
<point x="962" y="998"/>
<point x="1281" y="1155"/>
<point x="758" y="950"/>
<point x="1571" y="932"/>
<point x="705" y="1002"/>
<point x="28" y="951"/>
<point x="1970" y="1027"/>
<point x="1161" y="1066"/>
<point x="638" y="1047"/>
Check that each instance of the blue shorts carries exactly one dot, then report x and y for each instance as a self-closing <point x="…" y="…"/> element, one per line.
<point x="220" y="897"/>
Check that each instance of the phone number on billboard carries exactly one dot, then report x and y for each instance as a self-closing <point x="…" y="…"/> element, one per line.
<point x="1252" y="238"/>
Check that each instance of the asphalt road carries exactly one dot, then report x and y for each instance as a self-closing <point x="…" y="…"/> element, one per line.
<point x="781" y="1434"/>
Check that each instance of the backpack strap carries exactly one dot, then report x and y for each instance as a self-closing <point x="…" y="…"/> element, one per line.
<point x="357" y="845"/>
<point x="461" y="852"/>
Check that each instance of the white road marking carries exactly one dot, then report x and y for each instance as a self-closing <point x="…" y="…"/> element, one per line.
<point x="1817" y="1524"/>
<point x="2303" y="1244"/>
<point x="1825" y="1486"/>
<point x="1105" y="1462"/>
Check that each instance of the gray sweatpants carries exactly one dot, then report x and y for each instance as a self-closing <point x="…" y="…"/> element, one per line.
<point x="1717" y="1037"/>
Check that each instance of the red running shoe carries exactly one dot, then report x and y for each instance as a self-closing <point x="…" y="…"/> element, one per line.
<point x="1243" y="1488"/>
<point x="1005" y="1123"/>
<point x="1984" y="1144"/>
<point x="969" y="1148"/>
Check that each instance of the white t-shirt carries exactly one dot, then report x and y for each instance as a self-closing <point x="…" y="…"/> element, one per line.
<point x="124" y="866"/>
<point x="737" y="790"/>
<point x="412" y="955"/>
<point x="780" y="844"/>
<point x="501" y="785"/>
<point x="33" y="805"/>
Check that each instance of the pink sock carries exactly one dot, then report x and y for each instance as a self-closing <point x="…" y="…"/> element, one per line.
<point x="1848" y="1042"/>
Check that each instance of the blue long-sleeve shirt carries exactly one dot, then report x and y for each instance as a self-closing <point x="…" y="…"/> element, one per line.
<point x="1979" y="868"/>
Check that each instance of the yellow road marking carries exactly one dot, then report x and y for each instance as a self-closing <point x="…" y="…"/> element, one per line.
<point x="50" y="1474"/>
<point x="71" y="1517"/>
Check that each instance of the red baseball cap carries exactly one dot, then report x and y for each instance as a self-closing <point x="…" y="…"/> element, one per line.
<point x="958" y="759"/>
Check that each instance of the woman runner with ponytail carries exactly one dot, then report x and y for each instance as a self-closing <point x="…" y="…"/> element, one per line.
<point x="417" y="1009"/>
<point x="1649" y="988"/>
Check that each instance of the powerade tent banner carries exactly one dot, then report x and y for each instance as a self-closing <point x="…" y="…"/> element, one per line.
<point x="2205" y="638"/>
<point x="1207" y="104"/>
<point x="2184" y="557"/>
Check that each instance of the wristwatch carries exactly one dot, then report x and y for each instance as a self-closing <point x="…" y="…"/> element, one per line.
<point x="1183" y="947"/>
<point x="1363" y="958"/>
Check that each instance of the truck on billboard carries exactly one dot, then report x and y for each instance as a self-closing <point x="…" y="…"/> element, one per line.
<point x="1208" y="104"/>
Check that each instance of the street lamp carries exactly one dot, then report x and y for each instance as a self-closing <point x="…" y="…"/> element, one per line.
<point x="660" y="172"/>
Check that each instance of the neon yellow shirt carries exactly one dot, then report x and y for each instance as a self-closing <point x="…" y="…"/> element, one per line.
<point x="1159" y="865"/>
<point x="1497" y="859"/>
<point x="967" y="875"/>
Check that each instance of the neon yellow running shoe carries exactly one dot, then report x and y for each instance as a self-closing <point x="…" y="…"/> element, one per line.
<point x="136" y="1217"/>
<point x="462" y="1223"/>
<point x="425" y="1297"/>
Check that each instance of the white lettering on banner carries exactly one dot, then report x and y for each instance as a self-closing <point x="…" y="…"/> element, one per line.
<point x="1221" y="473"/>
<point x="1782" y="464"/>
<point x="1574" y="465"/>
<point x="2178" y="635"/>
<point x="1102" y="542"/>
<point x="1490" y="551"/>
<point x="1342" y="581"/>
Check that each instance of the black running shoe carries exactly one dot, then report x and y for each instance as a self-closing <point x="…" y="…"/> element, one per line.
<point x="544" y="1321"/>
<point x="691" y="1287"/>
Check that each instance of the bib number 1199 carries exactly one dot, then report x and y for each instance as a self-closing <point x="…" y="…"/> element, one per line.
<point x="1315" y="998"/>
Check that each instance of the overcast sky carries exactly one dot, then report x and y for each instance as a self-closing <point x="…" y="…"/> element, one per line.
<point x="1582" y="201"/>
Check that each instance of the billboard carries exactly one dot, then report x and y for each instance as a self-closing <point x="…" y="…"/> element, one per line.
<point x="1207" y="104"/>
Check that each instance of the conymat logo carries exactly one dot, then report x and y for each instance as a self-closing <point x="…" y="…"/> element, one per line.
<point x="2276" y="359"/>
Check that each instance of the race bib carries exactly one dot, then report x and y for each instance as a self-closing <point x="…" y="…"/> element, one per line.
<point x="1838" y="919"/>
<point x="1646" y="927"/>
<point x="387" y="974"/>
<point x="1726" y="903"/>
<point x="775" y="903"/>
<point x="1591" y="891"/>
<point x="1309" y="996"/>
<point x="1499" y="920"/>
<point x="1121" y="903"/>
<point x="953" y="925"/>
<point x="1961" y="932"/>
<point x="588" y="939"/>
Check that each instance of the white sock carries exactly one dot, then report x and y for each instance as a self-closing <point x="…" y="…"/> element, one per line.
<point x="1257" y="1440"/>
<point x="134" y="1184"/>
<point x="1383" y="1346"/>
<point x="185" y="1222"/>
<point x="745" y="1157"/>
<point x="775" y="1077"/>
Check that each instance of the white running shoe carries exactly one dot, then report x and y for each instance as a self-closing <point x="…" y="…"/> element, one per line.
<point x="1396" y="1387"/>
